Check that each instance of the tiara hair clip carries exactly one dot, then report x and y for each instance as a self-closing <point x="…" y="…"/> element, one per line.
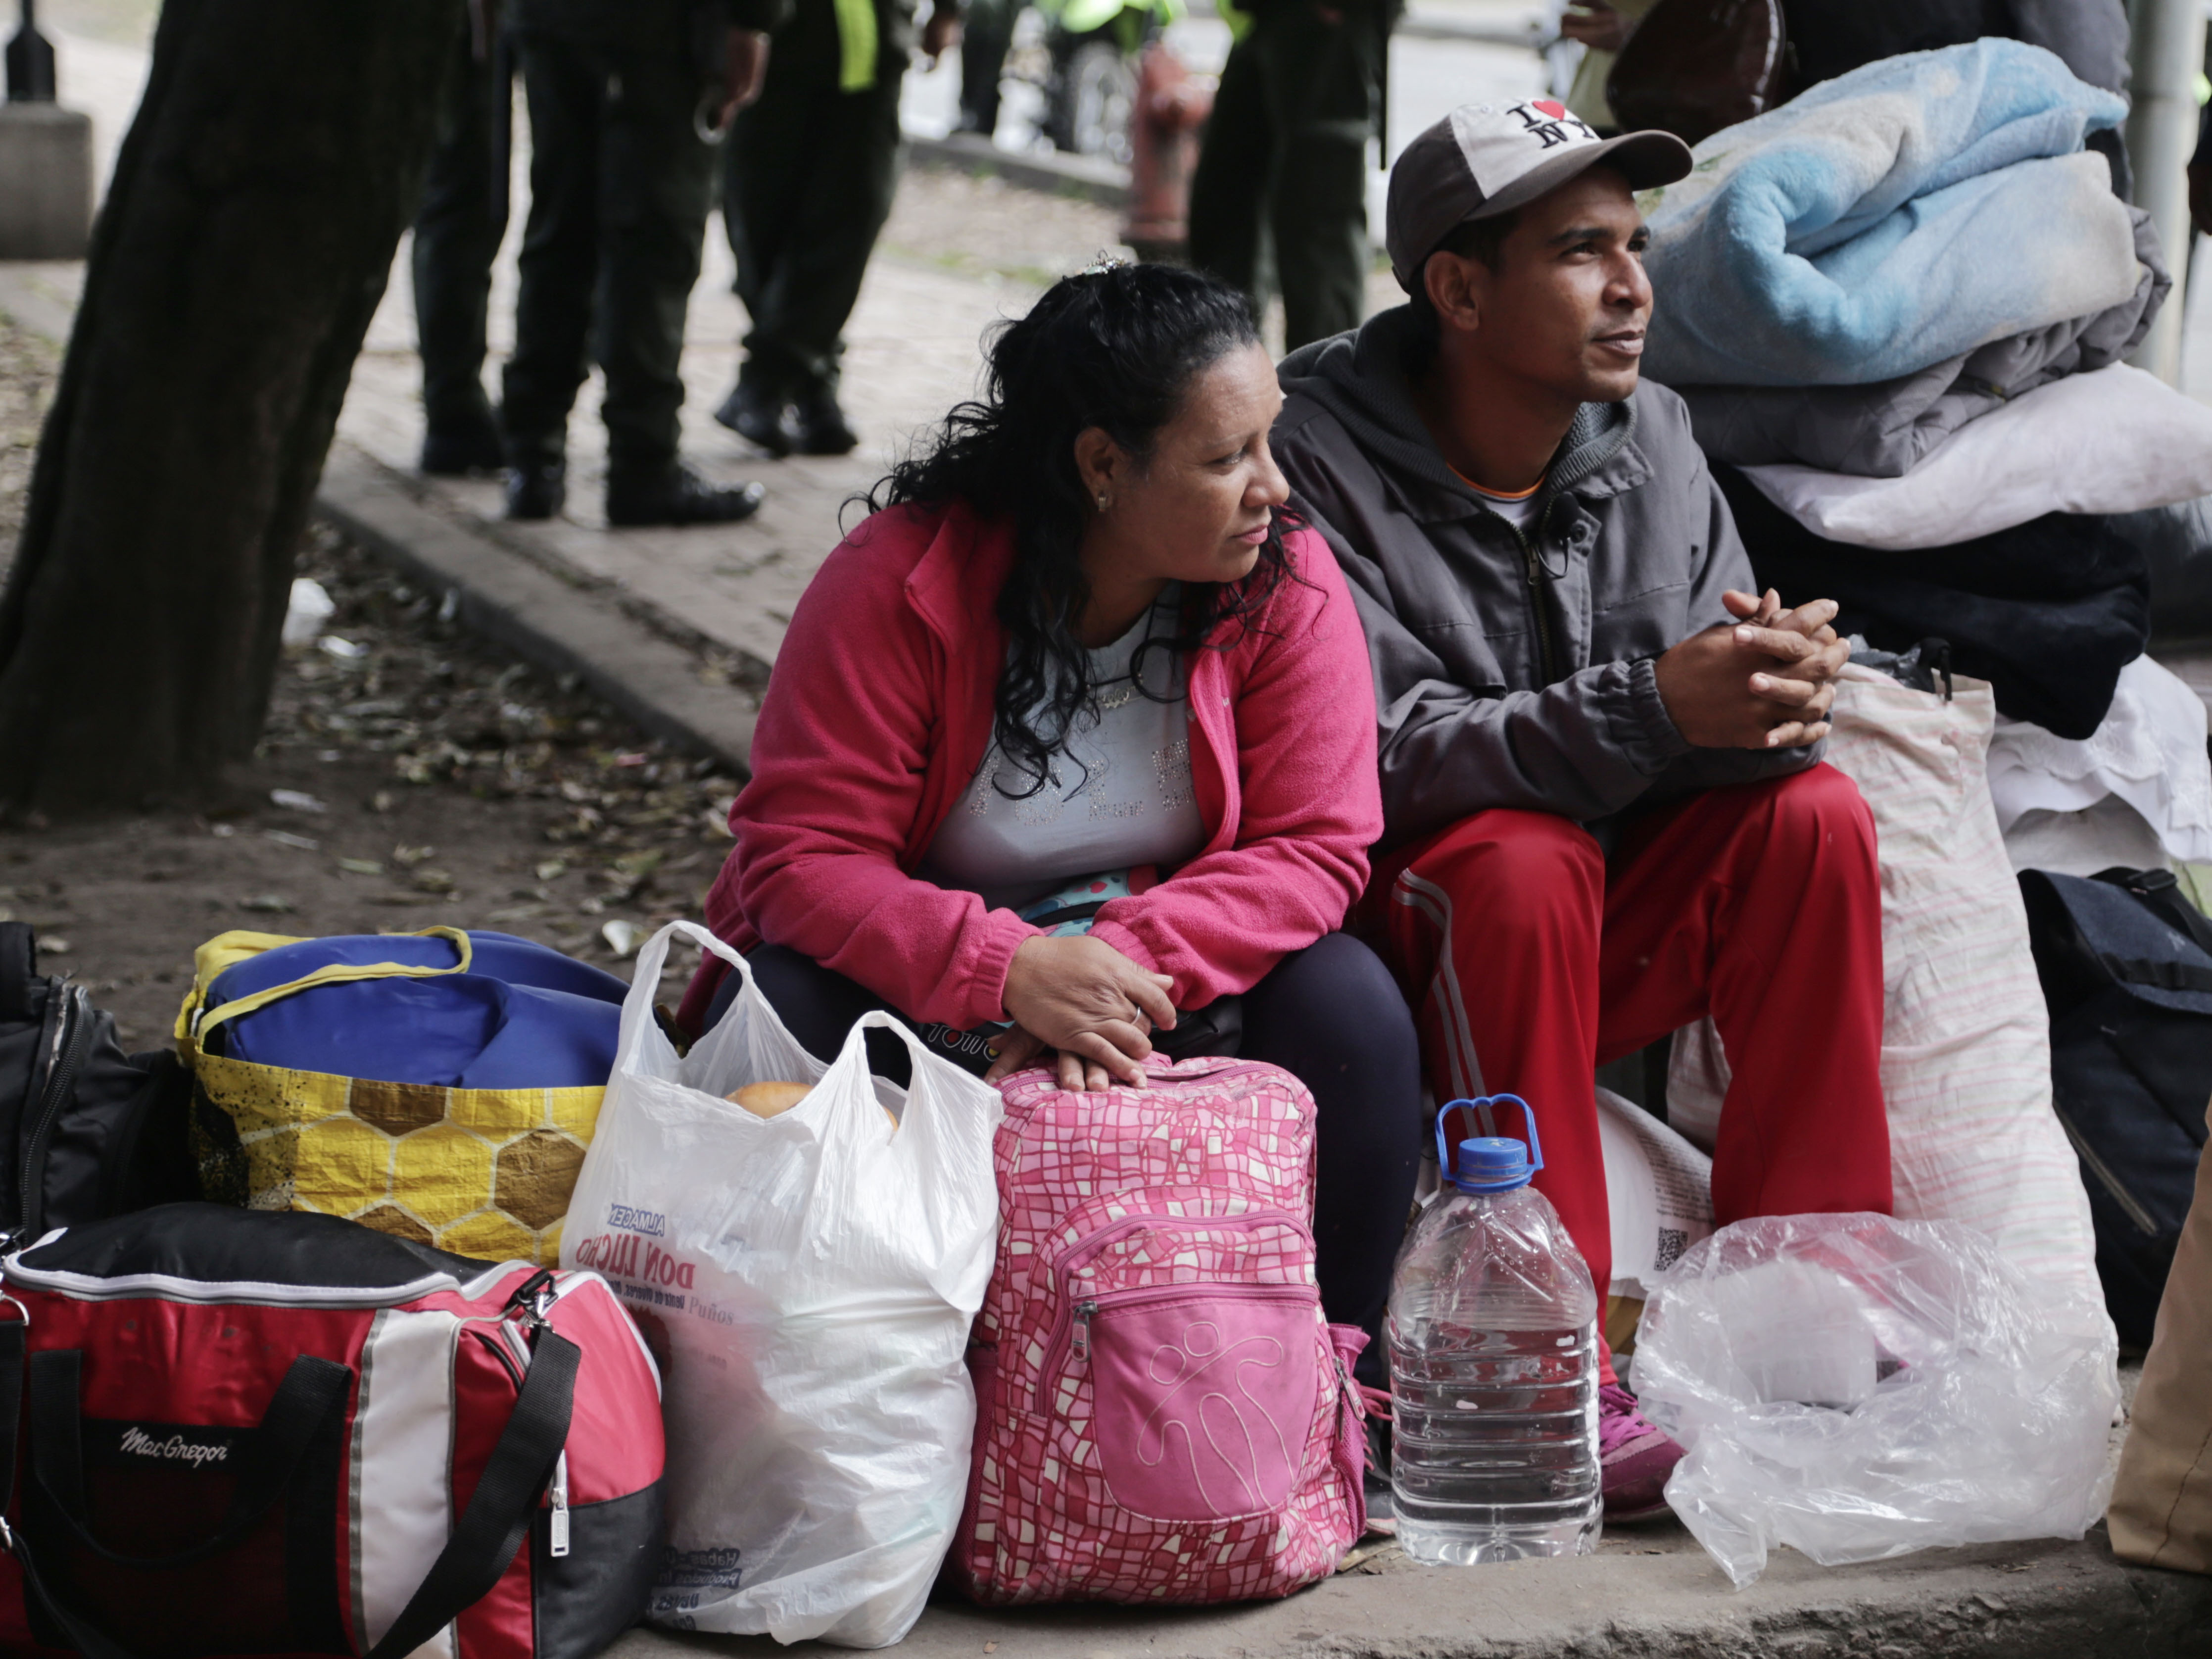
<point x="1103" y="264"/>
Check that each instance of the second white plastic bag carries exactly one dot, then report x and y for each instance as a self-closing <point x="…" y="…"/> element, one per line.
<point x="807" y="1281"/>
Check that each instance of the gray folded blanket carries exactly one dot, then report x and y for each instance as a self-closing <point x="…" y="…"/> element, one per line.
<point x="1882" y="431"/>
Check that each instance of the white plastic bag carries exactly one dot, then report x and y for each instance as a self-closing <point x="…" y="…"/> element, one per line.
<point x="808" y="1280"/>
<point x="1859" y="1388"/>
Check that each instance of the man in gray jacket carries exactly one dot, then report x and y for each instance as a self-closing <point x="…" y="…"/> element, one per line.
<point x="1605" y="816"/>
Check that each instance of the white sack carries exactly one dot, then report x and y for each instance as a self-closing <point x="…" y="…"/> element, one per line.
<point x="1859" y="1387"/>
<point x="2113" y="441"/>
<point x="2148" y="750"/>
<point x="1965" y="1040"/>
<point x="809" y="1280"/>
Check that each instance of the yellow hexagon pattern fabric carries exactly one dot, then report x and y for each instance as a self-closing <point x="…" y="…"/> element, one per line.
<point x="482" y="1172"/>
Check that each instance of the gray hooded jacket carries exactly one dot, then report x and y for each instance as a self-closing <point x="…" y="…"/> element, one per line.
<point x="1516" y="668"/>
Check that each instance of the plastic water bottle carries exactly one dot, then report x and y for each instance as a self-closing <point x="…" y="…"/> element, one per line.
<point x="1493" y="1360"/>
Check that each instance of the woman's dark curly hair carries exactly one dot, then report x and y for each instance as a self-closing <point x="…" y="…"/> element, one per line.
<point x="1116" y="348"/>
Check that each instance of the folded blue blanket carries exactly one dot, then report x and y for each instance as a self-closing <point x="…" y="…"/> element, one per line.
<point x="1905" y="213"/>
<point x="522" y="1016"/>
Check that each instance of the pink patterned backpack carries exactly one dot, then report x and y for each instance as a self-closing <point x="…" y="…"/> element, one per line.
<point x="1163" y="1414"/>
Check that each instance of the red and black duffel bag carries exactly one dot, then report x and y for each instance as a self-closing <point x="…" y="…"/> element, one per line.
<point x="227" y="1432"/>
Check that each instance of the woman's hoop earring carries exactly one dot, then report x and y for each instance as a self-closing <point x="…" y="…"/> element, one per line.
<point x="1102" y="501"/>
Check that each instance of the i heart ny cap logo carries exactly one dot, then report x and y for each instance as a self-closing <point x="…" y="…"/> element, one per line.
<point x="1485" y="158"/>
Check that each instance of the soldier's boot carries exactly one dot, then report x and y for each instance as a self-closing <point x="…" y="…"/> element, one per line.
<point x="454" y="449"/>
<point x="754" y="412"/>
<point x="820" y="424"/>
<point x="536" y="488"/>
<point x="669" y="492"/>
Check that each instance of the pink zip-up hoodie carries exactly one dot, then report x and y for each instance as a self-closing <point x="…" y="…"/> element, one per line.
<point x="880" y="711"/>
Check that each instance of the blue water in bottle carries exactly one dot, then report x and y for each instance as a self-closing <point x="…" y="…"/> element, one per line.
<point x="1492" y="1332"/>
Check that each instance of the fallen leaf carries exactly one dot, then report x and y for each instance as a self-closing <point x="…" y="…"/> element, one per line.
<point x="410" y="856"/>
<point x="381" y="802"/>
<point x="286" y="838"/>
<point x="620" y="937"/>
<point x="344" y="650"/>
<point x="434" y="881"/>
<point x="267" y="903"/>
<point x="296" y="800"/>
<point x="361" y="866"/>
<point x="551" y="870"/>
<point x="55" y="947"/>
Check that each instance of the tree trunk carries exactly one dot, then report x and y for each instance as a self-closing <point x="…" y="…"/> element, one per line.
<point x="243" y="248"/>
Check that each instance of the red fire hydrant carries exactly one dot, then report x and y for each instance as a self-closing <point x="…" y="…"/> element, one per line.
<point x="1170" y="109"/>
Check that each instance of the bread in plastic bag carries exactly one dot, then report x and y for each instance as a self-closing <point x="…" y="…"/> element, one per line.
<point x="808" y="1280"/>
<point x="1859" y="1387"/>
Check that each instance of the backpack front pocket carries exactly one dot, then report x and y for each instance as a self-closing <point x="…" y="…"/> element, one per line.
<point x="1204" y="1397"/>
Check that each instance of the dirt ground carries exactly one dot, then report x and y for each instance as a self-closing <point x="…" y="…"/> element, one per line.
<point x="411" y="776"/>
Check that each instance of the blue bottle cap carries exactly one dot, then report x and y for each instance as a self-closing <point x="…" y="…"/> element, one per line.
<point x="1492" y="1164"/>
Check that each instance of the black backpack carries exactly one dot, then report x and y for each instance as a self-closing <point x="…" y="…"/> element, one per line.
<point x="2126" y="965"/>
<point x="86" y="1132"/>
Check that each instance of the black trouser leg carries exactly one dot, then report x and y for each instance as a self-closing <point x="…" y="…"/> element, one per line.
<point x="656" y="186"/>
<point x="1287" y="145"/>
<point x="1322" y="79"/>
<point x="565" y="84"/>
<point x="807" y="187"/>
<point x="1331" y="1016"/>
<point x="456" y="236"/>
<point x="1228" y="191"/>
<point x="987" y="30"/>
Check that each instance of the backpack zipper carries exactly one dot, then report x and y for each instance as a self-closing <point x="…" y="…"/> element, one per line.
<point x="2129" y="1204"/>
<point x="61" y="1083"/>
<point x="1076" y="1314"/>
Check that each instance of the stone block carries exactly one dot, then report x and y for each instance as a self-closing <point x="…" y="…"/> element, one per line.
<point x="45" y="182"/>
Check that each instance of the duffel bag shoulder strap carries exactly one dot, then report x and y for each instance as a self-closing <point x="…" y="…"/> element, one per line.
<point x="478" y="1553"/>
<point x="500" y="1510"/>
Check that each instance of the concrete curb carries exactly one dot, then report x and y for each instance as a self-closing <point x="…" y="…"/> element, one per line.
<point x="2029" y="1600"/>
<point x="554" y="623"/>
<point x="1058" y="175"/>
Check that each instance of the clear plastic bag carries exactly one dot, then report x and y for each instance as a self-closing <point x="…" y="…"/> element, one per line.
<point x="1859" y="1388"/>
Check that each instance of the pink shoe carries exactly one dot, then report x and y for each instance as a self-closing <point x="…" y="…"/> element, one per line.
<point x="1633" y="1458"/>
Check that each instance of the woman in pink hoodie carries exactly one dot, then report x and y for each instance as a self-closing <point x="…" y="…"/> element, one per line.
<point x="1069" y="753"/>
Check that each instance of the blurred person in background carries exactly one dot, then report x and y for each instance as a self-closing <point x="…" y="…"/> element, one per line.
<point x="624" y="96"/>
<point x="456" y="235"/>
<point x="987" y="31"/>
<point x="1283" y="170"/>
<point x="1603" y="29"/>
<point x="806" y="185"/>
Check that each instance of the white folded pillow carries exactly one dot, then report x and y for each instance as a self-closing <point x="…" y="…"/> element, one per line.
<point x="2114" y="441"/>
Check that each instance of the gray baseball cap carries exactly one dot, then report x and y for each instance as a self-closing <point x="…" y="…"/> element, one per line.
<point x="1483" y="159"/>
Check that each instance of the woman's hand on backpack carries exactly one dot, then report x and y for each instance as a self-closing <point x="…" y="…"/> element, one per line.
<point x="1084" y="997"/>
<point x="1074" y="1074"/>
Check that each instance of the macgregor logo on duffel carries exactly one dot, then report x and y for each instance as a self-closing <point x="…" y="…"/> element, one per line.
<point x="175" y="1449"/>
